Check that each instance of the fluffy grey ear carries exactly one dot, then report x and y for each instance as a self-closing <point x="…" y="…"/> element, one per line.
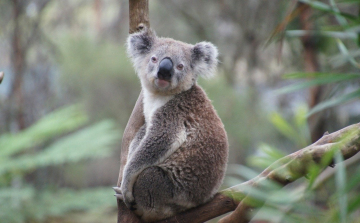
<point x="140" y="43"/>
<point x="204" y="59"/>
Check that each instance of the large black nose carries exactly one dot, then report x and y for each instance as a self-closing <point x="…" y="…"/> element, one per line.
<point x="165" y="71"/>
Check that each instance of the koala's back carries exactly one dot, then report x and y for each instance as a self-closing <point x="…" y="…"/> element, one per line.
<point x="196" y="168"/>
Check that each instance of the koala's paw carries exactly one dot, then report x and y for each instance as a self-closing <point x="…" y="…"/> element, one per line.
<point x="119" y="194"/>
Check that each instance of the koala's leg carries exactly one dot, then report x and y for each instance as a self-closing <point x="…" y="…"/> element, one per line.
<point x="154" y="195"/>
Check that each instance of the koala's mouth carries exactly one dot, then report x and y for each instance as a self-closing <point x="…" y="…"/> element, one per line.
<point x="161" y="83"/>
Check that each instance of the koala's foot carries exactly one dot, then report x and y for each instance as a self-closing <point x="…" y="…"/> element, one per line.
<point x="128" y="200"/>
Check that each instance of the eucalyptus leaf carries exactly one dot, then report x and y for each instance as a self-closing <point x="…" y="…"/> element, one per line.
<point x="335" y="101"/>
<point x="326" y="8"/>
<point x="346" y="53"/>
<point x="320" y="80"/>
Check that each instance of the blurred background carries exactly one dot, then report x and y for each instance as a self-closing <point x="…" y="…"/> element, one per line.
<point x="288" y="73"/>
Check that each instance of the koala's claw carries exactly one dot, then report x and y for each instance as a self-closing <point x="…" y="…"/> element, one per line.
<point x="129" y="201"/>
<point x="118" y="194"/>
<point x="117" y="190"/>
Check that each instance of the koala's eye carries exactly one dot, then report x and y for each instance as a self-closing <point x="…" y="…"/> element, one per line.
<point x="153" y="59"/>
<point x="180" y="67"/>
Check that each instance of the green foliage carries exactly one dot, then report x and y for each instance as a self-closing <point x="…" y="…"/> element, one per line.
<point x="300" y="202"/>
<point x="330" y="9"/>
<point x="54" y="124"/>
<point x="296" y="130"/>
<point x="64" y="136"/>
<point x="100" y="75"/>
<point x="269" y="155"/>
<point x="90" y="142"/>
<point x="345" y="35"/>
<point x="316" y="79"/>
<point x="25" y="204"/>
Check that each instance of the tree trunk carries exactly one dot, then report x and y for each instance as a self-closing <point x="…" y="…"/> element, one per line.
<point x="18" y="66"/>
<point x="138" y="19"/>
<point x="316" y="122"/>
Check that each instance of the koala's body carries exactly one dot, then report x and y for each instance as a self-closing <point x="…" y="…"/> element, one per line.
<point x="177" y="160"/>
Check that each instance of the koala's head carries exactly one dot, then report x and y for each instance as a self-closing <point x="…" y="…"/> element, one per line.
<point x="166" y="66"/>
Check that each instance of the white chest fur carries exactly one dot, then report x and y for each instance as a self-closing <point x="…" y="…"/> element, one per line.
<point x="152" y="102"/>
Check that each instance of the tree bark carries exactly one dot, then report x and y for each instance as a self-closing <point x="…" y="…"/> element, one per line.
<point x="138" y="19"/>
<point x="139" y="15"/>
<point x="22" y="38"/>
<point x="98" y="15"/>
<point x="18" y="66"/>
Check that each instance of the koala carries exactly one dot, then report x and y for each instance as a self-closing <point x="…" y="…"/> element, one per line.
<point x="177" y="160"/>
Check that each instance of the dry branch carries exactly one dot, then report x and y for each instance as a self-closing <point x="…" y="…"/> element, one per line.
<point x="284" y="171"/>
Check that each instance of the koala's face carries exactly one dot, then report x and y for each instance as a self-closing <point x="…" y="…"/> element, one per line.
<point x="166" y="66"/>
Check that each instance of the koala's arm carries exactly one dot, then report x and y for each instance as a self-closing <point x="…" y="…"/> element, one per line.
<point x="135" y="122"/>
<point x="136" y="141"/>
<point x="154" y="148"/>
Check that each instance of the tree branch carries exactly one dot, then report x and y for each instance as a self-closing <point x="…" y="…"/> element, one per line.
<point x="284" y="171"/>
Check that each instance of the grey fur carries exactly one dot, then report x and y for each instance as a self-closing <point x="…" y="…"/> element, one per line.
<point x="178" y="158"/>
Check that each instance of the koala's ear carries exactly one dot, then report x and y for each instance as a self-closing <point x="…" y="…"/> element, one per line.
<point x="140" y="43"/>
<point x="204" y="59"/>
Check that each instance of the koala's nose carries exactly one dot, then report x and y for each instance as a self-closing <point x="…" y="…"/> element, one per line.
<point x="165" y="71"/>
